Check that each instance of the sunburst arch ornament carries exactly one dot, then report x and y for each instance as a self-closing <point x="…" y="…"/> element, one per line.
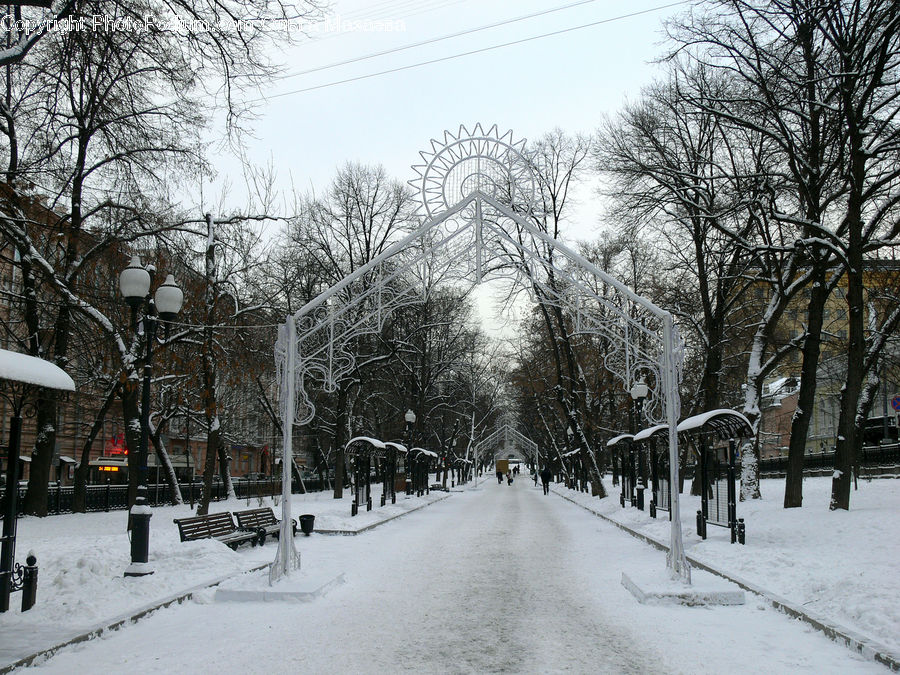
<point x="471" y="161"/>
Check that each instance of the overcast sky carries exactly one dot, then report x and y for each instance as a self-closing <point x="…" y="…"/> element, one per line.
<point x="567" y="80"/>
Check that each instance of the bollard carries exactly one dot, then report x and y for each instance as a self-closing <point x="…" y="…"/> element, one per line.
<point x="108" y="483"/>
<point x="354" y="509"/>
<point x="701" y="525"/>
<point x="369" y="504"/>
<point x="140" y="515"/>
<point x="640" y="497"/>
<point x="741" y="531"/>
<point x="383" y="500"/>
<point x="29" y="582"/>
<point x="652" y="508"/>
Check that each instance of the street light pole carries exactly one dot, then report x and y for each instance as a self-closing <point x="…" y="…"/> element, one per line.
<point x="410" y="418"/>
<point x="639" y="393"/>
<point x="134" y="283"/>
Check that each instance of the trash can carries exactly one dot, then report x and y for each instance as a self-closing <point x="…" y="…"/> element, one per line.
<point x="307" y="523"/>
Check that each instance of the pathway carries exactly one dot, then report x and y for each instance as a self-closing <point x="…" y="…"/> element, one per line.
<point x="498" y="580"/>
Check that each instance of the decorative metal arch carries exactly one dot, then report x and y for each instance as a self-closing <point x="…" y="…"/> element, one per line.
<point x="477" y="191"/>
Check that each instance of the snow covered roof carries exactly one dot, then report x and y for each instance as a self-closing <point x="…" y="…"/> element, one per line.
<point x="423" y="451"/>
<point x="366" y="439"/>
<point x="618" y="439"/>
<point x="723" y="422"/>
<point x="399" y="447"/>
<point x="17" y="367"/>
<point x="644" y="434"/>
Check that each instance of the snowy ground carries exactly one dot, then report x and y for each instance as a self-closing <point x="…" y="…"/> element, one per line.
<point x="842" y="565"/>
<point x="499" y="579"/>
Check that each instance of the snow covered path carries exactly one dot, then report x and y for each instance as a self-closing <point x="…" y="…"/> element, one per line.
<point x="500" y="579"/>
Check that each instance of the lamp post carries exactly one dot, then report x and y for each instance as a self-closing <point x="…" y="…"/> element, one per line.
<point x="134" y="283"/>
<point x="410" y="418"/>
<point x="639" y="391"/>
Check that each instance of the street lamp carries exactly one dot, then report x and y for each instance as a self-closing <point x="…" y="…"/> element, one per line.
<point x="134" y="283"/>
<point x="639" y="391"/>
<point x="410" y="418"/>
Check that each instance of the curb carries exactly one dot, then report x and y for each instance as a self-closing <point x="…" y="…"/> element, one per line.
<point x="372" y="526"/>
<point x="120" y="621"/>
<point x="853" y="640"/>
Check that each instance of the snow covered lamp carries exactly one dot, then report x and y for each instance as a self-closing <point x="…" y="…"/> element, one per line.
<point x="134" y="282"/>
<point x="639" y="390"/>
<point x="169" y="298"/>
<point x="410" y="417"/>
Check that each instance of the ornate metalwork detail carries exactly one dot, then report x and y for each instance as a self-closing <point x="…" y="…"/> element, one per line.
<point x="506" y="437"/>
<point x="477" y="191"/>
<point x="474" y="161"/>
<point x="17" y="578"/>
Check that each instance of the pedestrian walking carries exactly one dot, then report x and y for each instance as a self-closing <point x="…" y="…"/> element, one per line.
<point x="546" y="475"/>
<point x="509" y="477"/>
<point x="499" y="477"/>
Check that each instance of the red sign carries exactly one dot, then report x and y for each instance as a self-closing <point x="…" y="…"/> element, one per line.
<point x="116" y="445"/>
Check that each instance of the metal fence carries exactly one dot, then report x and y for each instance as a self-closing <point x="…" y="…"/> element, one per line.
<point x="112" y="497"/>
<point x="872" y="457"/>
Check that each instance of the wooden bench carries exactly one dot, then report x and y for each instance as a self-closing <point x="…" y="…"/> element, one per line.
<point x="263" y="522"/>
<point x="219" y="526"/>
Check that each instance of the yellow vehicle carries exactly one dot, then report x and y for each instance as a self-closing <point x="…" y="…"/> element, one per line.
<point x="502" y="465"/>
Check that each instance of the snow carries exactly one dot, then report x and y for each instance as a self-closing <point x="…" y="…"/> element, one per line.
<point x="697" y="421"/>
<point x="32" y="370"/>
<point x="430" y="453"/>
<point x="365" y="439"/>
<point x="613" y="441"/>
<point x="495" y="579"/>
<point x="644" y="434"/>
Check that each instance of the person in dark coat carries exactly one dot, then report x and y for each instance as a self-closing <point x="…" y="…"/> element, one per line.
<point x="499" y="477"/>
<point x="546" y="475"/>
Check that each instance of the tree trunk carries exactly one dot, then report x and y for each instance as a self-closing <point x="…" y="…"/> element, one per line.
<point x="209" y="467"/>
<point x="35" y="502"/>
<point x="162" y="459"/>
<point x="132" y="420"/>
<point x="806" y="397"/>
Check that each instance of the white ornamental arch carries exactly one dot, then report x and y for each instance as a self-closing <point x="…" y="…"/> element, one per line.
<point x="477" y="189"/>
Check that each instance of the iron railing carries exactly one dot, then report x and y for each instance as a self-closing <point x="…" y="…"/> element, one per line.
<point x="60" y="499"/>
<point x="872" y="456"/>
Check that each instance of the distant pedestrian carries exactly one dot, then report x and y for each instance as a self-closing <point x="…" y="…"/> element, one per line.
<point x="509" y="477"/>
<point x="546" y="475"/>
<point x="499" y="477"/>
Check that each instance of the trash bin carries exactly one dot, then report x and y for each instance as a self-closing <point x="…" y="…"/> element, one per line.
<point x="307" y="523"/>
